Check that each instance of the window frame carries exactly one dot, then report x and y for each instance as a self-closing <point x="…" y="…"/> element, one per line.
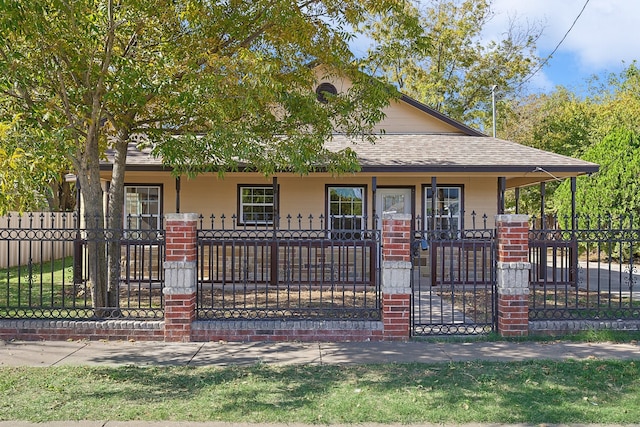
<point x="426" y="206"/>
<point x="274" y="206"/>
<point x="344" y="233"/>
<point x="127" y="216"/>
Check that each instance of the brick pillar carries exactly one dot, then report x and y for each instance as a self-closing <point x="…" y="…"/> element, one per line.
<point x="396" y="277"/>
<point x="513" y="275"/>
<point x="180" y="276"/>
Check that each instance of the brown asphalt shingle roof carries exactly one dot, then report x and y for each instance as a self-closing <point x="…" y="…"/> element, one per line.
<point x="428" y="153"/>
<point x="431" y="152"/>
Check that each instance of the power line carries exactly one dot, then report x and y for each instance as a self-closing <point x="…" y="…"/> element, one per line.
<point x="543" y="63"/>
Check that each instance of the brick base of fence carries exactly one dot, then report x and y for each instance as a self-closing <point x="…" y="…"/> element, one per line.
<point x="62" y="330"/>
<point x="281" y="330"/>
<point x="202" y="331"/>
<point x="564" y="327"/>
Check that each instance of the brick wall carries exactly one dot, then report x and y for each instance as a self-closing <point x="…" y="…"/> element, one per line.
<point x="180" y="276"/>
<point x="289" y="330"/>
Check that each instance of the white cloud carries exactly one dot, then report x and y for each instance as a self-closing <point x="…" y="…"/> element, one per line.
<point x="607" y="33"/>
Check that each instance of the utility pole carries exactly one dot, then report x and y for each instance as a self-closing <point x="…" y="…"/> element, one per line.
<point x="493" y="107"/>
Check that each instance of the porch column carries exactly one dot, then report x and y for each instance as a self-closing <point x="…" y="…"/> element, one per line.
<point x="180" y="276"/>
<point x="513" y="275"/>
<point x="396" y="276"/>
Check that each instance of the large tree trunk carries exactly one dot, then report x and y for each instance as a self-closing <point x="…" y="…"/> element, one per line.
<point x="116" y="217"/>
<point x="93" y="216"/>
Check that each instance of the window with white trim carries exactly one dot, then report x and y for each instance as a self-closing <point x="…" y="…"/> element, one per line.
<point x="142" y="207"/>
<point x="256" y="204"/>
<point x="346" y="207"/>
<point x="448" y="213"/>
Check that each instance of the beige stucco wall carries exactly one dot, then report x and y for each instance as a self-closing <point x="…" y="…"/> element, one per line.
<point x="208" y="194"/>
<point x="401" y="117"/>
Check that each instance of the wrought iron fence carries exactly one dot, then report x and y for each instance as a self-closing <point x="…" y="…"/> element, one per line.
<point x="48" y="258"/>
<point x="296" y="268"/>
<point x="453" y="278"/>
<point x="585" y="268"/>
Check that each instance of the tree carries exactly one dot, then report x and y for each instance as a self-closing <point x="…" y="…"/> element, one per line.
<point x="566" y="124"/>
<point x="613" y="190"/>
<point x="618" y="103"/>
<point x="443" y="61"/>
<point x="207" y="83"/>
<point x="558" y="121"/>
<point x="32" y="169"/>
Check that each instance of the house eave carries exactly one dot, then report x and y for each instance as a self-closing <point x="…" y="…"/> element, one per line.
<point x="497" y="170"/>
<point x="492" y="169"/>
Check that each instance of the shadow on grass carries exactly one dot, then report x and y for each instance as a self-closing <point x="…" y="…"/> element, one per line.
<point x="529" y="392"/>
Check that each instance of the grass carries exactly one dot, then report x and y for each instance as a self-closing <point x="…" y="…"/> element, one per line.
<point x="46" y="290"/>
<point x="38" y="285"/>
<point x="590" y="391"/>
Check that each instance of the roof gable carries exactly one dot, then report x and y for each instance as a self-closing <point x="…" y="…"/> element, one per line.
<point x="403" y="114"/>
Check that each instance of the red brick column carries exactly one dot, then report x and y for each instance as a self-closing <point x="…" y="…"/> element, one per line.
<point x="180" y="276"/>
<point x="513" y="275"/>
<point x="396" y="277"/>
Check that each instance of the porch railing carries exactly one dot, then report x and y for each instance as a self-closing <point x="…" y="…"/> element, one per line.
<point x="297" y="269"/>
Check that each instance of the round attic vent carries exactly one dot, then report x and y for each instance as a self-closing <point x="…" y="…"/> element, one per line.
<point x="323" y="89"/>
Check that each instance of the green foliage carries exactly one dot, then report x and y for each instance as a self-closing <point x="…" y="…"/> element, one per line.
<point x="614" y="189"/>
<point x="600" y="128"/>
<point x="233" y="74"/>
<point x="440" y="59"/>
<point x="559" y="122"/>
<point x="29" y="165"/>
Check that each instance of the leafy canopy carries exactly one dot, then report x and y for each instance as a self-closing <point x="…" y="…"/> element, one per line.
<point x="614" y="189"/>
<point x="445" y="63"/>
<point x="231" y="78"/>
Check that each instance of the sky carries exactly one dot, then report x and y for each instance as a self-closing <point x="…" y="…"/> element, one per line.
<point x="606" y="34"/>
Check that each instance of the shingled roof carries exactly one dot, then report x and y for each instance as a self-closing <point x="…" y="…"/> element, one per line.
<point x="426" y="153"/>
<point x="456" y="153"/>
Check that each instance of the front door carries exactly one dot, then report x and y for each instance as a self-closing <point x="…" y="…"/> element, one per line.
<point x="393" y="201"/>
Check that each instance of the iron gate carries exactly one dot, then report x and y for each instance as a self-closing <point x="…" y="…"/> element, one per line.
<point x="453" y="282"/>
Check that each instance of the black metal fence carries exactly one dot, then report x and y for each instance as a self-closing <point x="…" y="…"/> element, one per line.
<point x="585" y="268"/>
<point x="298" y="268"/>
<point x="453" y="278"/>
<point x="46" y="260"/>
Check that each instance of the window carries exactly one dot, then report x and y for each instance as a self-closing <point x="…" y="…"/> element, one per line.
<point x="448" y="214"/>
<point x="325" y="89"/>
<point x="256" y="204"/>
<point x="346" y="210"/>
<point x="142" y="207"/>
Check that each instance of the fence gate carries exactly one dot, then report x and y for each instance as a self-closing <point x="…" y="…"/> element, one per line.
<point x="453" y="282"/>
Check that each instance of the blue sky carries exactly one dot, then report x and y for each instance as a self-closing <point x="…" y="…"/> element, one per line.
<point x="606" y="35"/>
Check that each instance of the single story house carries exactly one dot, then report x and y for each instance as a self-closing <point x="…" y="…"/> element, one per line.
<point x="424" y="164"/>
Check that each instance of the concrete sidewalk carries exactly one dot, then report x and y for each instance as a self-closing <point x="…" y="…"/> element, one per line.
<point x="121" y="353"/>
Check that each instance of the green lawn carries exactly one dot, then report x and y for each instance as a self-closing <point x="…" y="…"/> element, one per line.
<point x="529" y="392"/>
<point x="49" y="284"/>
